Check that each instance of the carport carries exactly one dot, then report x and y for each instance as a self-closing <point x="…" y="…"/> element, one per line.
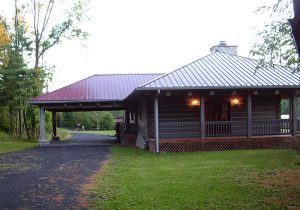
<point x="104" y="92"/>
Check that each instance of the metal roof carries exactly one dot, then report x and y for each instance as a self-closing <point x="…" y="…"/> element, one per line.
<point x="227" y="71"/>
<point x="105" y="87"/>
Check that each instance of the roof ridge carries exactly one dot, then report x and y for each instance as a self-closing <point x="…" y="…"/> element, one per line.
<point x="117" y="74"/>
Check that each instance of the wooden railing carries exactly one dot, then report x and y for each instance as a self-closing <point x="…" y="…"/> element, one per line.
<point x="225" y="128"/>
<point x="271" y="127"/>
<point x="128" y="128"/>
<point x="179" y="129"/>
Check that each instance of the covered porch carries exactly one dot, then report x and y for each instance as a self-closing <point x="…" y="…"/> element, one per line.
<point x="215" y="120"/>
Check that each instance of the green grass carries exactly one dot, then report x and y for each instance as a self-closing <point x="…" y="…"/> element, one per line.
<point x="135" y="179"/>
<point x="63" y="133"/>
<point x="9" y="143"/>
<point x="67" y="132"/>
<point x="15" y="146"/>
<point x="108" y="132"/>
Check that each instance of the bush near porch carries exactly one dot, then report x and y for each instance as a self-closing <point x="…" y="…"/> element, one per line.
<point x="260" y="179"/>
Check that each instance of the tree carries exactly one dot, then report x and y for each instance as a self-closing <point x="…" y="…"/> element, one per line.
<point x="276" y="42"/>
<point x="4" y="41"/>
<point x="23" y="44"/>
<point x="47" y="36"/>
<point x="69" y="28"/>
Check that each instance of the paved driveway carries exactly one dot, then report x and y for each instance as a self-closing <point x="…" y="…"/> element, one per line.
<point x="49" y="177"/>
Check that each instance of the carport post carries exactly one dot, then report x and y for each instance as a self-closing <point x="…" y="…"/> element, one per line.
<point x="42" y="140"/>
<point x="54" y="124"/>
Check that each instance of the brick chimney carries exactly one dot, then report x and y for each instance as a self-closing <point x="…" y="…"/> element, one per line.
<point x="223" y="47"/>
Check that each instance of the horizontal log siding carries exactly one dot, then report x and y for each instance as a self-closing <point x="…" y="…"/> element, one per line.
<point x="172" y="109"/>
<point x="142" y="118"/>
<point x="263" y="108"/>
<point x="176" y="109"/>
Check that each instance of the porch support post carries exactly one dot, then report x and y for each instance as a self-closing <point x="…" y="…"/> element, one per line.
<point x="249" y="115"/>
<point x="156" y="130"/>
<point x="54" y="124"/>
<point x="127" y="117"/>
<point x="202" y="117"/>
<point x="294" y="114"/>
<point x="42" y="140"/>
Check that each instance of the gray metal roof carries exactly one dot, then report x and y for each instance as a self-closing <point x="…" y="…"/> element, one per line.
<point x="226" y="71"/>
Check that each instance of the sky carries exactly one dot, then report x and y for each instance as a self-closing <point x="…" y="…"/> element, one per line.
<point x="157" y="36"/>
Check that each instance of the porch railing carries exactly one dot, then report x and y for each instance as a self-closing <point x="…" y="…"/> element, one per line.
<point x="272" y="127"/>
<point x="226" y="128"/>
<point x="128" y="128"/>
<point x="179" y="129"/>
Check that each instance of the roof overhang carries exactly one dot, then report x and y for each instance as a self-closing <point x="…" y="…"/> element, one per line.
<point x="38" y="102"/>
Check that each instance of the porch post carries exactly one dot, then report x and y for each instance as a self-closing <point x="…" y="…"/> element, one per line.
<point x="202" y="117"/>
<point x="127" y="117"/>
<point x="156" y="122"/>
<point x="249" y="115"/>
<point x="42" y="140"/>
<point x="294" y="114"/>
<point x="54" y="123"/>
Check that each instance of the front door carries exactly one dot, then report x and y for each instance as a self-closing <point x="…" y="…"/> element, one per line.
<point x="217" y="111"/>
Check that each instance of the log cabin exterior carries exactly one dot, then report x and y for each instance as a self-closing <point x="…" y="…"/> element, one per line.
<point x="221" y="101"/>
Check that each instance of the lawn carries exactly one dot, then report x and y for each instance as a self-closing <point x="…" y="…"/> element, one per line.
<point x="15" y="146"/>
<point x="66" y="132"/>
<point x="261" y="179"/>
<point x="10" y="144"/>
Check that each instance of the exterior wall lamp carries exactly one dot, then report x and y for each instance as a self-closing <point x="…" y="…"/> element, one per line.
<point x="235" y="101"/>
<point x="195" y="102"/>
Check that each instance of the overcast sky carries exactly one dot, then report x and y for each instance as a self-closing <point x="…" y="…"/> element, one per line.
<point x="137" y="36"/>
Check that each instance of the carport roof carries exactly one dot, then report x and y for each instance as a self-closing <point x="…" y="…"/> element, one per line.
<point x="101" y="87"/>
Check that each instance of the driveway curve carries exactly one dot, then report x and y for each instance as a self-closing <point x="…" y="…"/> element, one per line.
<point x="49" y="177"/>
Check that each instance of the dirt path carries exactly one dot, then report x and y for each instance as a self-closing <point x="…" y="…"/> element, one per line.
<point x="47" y="178"/>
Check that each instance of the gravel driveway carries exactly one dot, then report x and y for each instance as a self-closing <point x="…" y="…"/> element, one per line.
<point x="49" y="177"/>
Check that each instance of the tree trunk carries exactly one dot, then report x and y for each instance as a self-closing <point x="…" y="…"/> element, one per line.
<point x="33" y="125"/>
<point x="11" y="122"/>
<point x="20" y="125"/>
<point x="16" y="130"/>
<point x="25" y="124"/>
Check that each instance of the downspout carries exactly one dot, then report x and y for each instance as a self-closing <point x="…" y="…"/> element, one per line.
<point x="156" y="121"/>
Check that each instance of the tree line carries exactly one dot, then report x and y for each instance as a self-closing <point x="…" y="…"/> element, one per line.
<point x="90" y="120"/>
<point x="25" y="39"/>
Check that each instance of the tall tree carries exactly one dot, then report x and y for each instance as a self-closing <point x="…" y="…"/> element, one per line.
<point x="275" y="43"/>
<point x="47" y="36"/>
<point x="18" y="40"/>
<point x="4" y="41"/>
